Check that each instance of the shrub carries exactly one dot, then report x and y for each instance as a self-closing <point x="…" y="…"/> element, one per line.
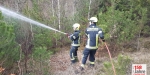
<point x="121" y="65"/>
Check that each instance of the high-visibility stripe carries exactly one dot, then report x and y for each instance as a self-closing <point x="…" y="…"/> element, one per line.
<point x="92" y="29"/>
<point x="96" y="40"/>
<point x="82" y="65"/>
<point x="89" y="47"/>
<point x="88" y="41"/>
<point x="79" y="39"/>
<point x="86" y="34"/>
<point x="73" y="57"/>
<point x="75" y="44"/>
<point x="100" y="32"/>
<point x="74" y="37"/>
<point x="92" y="63"/>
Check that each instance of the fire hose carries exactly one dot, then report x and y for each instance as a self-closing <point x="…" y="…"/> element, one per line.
<point x="110" y="58"/>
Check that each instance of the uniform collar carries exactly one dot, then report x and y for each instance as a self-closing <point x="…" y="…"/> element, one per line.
<point x="76" y="31"/>
<point x="92" y="25"/>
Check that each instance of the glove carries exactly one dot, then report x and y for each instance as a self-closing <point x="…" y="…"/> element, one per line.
<point x="67" y="34"/>
<point x="103" y="40"/>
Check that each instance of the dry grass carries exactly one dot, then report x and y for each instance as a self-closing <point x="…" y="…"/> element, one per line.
<point x="61" y="65"/>
<point x="140" y="57"/>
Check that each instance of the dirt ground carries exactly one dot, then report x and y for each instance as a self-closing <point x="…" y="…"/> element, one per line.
<point x="61" y="65"/>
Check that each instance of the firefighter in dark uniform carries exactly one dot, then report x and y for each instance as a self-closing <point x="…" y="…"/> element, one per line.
<point x="93" y="33"/>
<point x="75" y="37"/>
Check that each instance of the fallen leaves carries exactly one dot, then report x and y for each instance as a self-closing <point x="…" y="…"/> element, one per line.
<point x="2" y="69"/>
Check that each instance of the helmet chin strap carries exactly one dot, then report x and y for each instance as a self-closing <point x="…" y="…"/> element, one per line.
<point x="91" y="22"/>
<point x="75" y="28"/>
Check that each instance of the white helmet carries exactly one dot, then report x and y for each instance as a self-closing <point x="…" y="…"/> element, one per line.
<point x="93" y="19"/>
<point x="76" y="26"/>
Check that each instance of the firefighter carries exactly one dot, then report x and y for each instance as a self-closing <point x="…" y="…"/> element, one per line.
<point x="75" y="38"/>
<point x="93" y="33"/>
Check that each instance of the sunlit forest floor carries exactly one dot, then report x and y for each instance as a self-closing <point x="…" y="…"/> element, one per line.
<point x="61" y="65"/>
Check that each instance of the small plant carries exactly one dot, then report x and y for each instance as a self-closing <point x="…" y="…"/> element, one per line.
<point x="121" y="65"/>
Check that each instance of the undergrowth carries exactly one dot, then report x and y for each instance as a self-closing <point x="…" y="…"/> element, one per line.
<point x="121" y="65"/>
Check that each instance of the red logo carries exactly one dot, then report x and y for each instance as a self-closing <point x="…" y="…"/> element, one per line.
<point x="139" y="69"/>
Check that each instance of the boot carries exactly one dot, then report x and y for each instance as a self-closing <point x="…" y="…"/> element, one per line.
<point x="77" y="60"/>
<point x="81" y="68"/>
<point x="92" y="65"/>
<point x="73" y="61"/>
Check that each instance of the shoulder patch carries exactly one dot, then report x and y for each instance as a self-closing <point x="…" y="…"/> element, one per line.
<point x="74" y="37"/>
<point x="99" y="32"/>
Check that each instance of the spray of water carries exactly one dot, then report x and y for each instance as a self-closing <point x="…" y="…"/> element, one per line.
<point x="18" y="16"/>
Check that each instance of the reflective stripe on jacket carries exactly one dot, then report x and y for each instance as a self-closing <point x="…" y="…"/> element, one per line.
<point x="93" y="33"/>
<point x="75" y="37"/>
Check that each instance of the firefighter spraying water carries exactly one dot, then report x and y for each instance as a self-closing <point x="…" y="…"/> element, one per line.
<point x="75" y="37"/>
<point x="92" y="32"/>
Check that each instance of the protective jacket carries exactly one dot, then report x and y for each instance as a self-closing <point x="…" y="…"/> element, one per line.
<point x="75" y="37"/>
<point x="93" y="33"/>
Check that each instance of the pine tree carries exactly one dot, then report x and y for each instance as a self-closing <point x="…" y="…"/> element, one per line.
<point x="9" y="49"/>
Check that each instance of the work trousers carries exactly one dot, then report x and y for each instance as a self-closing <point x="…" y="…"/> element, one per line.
<point x="88" y="52"/>
<point x="73" y="52"/>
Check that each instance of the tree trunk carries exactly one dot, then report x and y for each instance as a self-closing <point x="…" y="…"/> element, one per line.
<point x="54" y="22"/>
<point x="53" y="7"/>
<point x="19" y="66"/>
<point x="59" y="14"/>
<point x="89" y="9"/>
